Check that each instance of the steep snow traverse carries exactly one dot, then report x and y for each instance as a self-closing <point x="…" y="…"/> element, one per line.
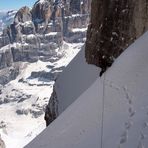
<point x="111" y="113"/>
<point x="36" y="44"/>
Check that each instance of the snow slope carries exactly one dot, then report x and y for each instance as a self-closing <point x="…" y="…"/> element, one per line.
<point x="74" y="80"/>
<point x="111" y="113"/>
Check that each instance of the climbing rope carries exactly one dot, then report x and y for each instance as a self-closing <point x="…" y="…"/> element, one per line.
<point x="103" y="105"/>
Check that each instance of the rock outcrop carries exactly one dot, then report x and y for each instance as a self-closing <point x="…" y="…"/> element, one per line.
<point x="75" y="6"/>
<point x="2" y="144"/>
<point x="114" y="26"/>
<point x="51" y="111"/>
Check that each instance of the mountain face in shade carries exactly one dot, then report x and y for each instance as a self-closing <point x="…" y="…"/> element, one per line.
<point x="2" y="144"/>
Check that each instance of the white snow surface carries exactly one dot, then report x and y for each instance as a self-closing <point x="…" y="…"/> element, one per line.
<point x="111" y="113"/>
<point x="41" y="1"/>
<point x="24" y="99"/>
<point x="79" y="30"/>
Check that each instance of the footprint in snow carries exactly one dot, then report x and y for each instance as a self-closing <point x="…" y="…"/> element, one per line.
<point x="145" y="124"/>
<point x="124" y="137"/>
<point x="131" y="111"/>
<point x="112" y="85"/>
<point x="128" y="125"/>
<point x="142" y="136"/>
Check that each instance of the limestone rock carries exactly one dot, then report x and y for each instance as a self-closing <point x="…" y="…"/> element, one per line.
<point x="114" y="26"/>
<point x="23" y="15"/>
<point x="41" y="12"/>
<point x="37" y="33"/>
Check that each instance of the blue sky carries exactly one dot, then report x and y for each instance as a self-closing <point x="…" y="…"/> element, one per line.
<point x="15" y="4"/>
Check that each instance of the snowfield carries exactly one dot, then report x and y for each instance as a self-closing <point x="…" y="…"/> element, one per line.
<point x="23" y="100"/>
<point x="111" y="113"/>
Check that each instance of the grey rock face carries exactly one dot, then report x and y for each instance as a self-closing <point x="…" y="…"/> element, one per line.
<point x="80" y="6"/>
<point x="75" y="6"/>
<point x="114" y="26"/>
<point x="8" y="74"/>
<point x="42" y="11"/>
<point x="5" y="59"/>
<point x="23" y="15"/>
<point x="2" y="144"/>
<point x="4" y="39"/>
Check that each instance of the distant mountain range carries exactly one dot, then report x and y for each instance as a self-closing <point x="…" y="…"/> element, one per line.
<point x="6" y="18"/>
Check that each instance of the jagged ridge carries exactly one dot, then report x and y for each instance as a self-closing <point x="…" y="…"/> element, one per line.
<point x="36" y="33"/>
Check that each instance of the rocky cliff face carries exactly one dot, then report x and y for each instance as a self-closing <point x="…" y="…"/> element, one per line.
<point x="114" y="26"/>
<point x="52" y="108"/>
<point x="37" y="33"/>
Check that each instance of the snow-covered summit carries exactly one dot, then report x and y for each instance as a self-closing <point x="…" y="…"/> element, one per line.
<point x="112" y="112"/>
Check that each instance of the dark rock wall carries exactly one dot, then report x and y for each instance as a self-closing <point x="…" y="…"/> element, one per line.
<point x="114" y="25"/>
<point x="42" y="12"/>
<point x="51" y="111"/>
<point x="23" y="15"/>
<point x="75" y="6"/>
